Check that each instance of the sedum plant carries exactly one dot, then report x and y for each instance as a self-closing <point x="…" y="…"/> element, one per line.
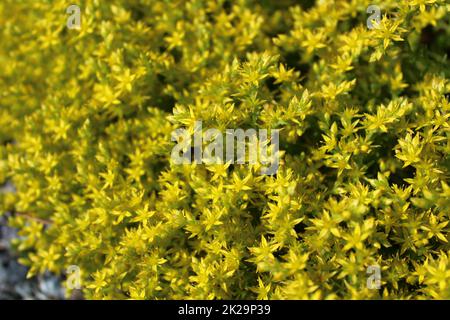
<point x="86" y="117"/>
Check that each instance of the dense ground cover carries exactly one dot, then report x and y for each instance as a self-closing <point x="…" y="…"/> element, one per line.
<point x="86" y="117"/>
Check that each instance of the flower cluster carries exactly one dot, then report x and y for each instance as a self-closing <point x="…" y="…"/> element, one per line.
<point x="86" y="116"/>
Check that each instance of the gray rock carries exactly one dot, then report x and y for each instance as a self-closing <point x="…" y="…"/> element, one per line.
<point x="13" y="281"/>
